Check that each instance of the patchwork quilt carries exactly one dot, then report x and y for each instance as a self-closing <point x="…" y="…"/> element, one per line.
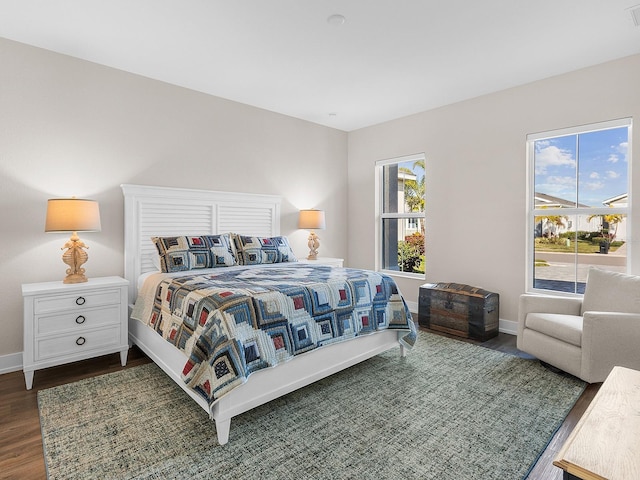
<point x="242" y="319"/>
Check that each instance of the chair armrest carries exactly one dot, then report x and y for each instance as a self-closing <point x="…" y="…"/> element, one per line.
<point x="609" y="339"/>
<point x="530" y="302"/>
<point x="546" y="304"/>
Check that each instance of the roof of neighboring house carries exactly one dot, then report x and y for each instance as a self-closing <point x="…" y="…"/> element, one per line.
<point x="544" y="200"/>
<point x="622" y="198"/>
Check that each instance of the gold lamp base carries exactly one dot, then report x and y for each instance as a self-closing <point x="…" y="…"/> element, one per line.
<point x="75" y="257"/>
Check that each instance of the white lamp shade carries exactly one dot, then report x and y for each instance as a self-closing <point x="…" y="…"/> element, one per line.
<point x="72" y="215"/>
<point x="311" y="219"/>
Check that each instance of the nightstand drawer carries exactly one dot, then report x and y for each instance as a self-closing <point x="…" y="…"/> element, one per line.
<point x="77" y="343"/>
<point x="86" y="299"/>
<point x="77" y="321"/>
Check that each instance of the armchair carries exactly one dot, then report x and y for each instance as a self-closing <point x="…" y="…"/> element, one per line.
<point x="588" y="336"/>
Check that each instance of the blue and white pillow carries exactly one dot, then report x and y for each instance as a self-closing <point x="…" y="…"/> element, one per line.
<point x="258" y="250"/>
<point x="182" y="253"/>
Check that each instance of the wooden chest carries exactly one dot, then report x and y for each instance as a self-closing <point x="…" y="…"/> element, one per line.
<point x="458" y="309"/>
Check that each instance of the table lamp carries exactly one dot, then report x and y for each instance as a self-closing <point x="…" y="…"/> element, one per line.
<point x="312" y="220"/>
<point x="73" y="215"/>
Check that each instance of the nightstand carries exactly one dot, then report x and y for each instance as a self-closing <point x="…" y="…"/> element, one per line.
<point x="332" y="262"/>
<point x="68" y="322"/>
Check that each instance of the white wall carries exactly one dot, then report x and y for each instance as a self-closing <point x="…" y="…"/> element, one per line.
<point x="476" y="174"/>
<point x="70" y="127"/>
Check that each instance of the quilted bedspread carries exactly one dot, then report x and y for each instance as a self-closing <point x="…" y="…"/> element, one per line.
<point x="240" y="320"/>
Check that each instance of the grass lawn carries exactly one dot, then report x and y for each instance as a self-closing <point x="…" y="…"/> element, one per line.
<point x="583" y="247"/>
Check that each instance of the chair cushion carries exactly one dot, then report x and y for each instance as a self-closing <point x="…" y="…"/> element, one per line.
<point x="567" y="328"/>
<point x="611" y="292"/>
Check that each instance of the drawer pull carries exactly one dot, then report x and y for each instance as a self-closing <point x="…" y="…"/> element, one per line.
<point x="80" y="319"/>
<point x="81" y="341"/>
<point x="80" y="301"/>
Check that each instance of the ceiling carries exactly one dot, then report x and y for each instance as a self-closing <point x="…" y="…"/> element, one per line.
<point x="390" y="58"/>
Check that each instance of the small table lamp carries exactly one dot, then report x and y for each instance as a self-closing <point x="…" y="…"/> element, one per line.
<point x="312" y="220"/>
<point x="73" y="215"/>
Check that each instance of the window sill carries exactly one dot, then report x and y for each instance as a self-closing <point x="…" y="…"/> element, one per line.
<point x="396" y="273"/>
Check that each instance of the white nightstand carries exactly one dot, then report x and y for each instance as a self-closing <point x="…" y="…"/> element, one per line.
<point x="332" y="262"/>
<point x="68" y="322"/>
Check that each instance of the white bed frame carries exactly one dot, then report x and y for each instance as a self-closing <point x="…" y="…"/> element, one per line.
<point x="161" y="211"/>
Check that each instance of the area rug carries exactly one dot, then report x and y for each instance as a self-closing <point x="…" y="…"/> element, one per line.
<point x="449" y="410"/>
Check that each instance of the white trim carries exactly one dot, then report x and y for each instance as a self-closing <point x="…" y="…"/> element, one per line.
<point x="10" y="363"/>
<point x="379" y="215"/>
<point x="407" y="158"/>
<point x="397" y="273"/>
<point x="532" y="212"/>
<point x="413" y="307"/>
<point x="509" y="327"/>
<point x="377" y="235"/>
<point x="403" y="215"/>
<point x="591" y="127"/>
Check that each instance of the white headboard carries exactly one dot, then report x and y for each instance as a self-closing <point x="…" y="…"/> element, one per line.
<point x="164" y="211"/>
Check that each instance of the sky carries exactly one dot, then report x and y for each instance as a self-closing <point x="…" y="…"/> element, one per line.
<point x="597" y="159"/>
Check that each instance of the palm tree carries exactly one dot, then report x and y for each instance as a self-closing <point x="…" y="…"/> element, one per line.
<point x="556" y="221"/>
<point x="414" y="190"/>
<point x="612" y="220"/>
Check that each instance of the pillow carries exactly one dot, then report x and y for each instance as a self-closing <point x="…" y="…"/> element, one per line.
<point x="611" y="292"/>
<point x="257" y="250"/>
<point x="183" y="253"/>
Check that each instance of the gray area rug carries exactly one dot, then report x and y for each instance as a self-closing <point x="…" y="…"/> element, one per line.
<point x="449" y="410"/>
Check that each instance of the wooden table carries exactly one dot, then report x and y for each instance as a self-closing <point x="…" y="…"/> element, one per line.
<point x="605" y="443"/>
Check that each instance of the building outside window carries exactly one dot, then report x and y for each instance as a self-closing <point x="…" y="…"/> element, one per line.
<point x="400" y="212"/>
<point x="578" y="208"/>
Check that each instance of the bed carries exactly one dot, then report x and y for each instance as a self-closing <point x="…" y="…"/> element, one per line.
<point x="168" y="213"/>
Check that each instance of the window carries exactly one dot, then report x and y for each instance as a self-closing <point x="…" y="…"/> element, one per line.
<point x="578" y="204"/>
<point x="400" y="212"/>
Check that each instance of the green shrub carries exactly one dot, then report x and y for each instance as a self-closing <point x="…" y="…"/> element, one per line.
<point x="411" y="253"/>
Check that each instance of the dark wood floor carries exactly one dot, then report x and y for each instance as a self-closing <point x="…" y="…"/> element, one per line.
<point x="21" y="455"/>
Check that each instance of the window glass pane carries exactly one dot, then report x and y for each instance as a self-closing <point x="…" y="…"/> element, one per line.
<point x="588" y="169"/>
<point x="403" y="244"/>
<point x="403" y="187"/>
<point x="566" y="246"/>
<point x="555" y="172"/>
<point x="602" y="166"/>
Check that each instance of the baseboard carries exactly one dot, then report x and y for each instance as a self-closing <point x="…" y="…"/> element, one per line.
<point x="413" y="308"/>
<point x="508" y="326"/>
<point x="10" y="363"/>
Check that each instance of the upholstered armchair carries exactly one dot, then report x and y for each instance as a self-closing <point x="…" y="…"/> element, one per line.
<point x="588" y="336"/>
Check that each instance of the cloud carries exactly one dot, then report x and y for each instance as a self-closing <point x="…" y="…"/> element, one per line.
<point x="551" y="156"/>
<point x="594" y="175"/>
<point x="622" y="149"/>
<point x="564" y="187"/>
<point x="613" y="158"/>
<point x="612" y="174"/>
<point x="592" y="185"/>
<point x="564" y="181"/>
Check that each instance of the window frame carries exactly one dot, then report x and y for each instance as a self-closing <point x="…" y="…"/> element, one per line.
<point x="532" y="212"/>
<point x="381" y="216"/>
